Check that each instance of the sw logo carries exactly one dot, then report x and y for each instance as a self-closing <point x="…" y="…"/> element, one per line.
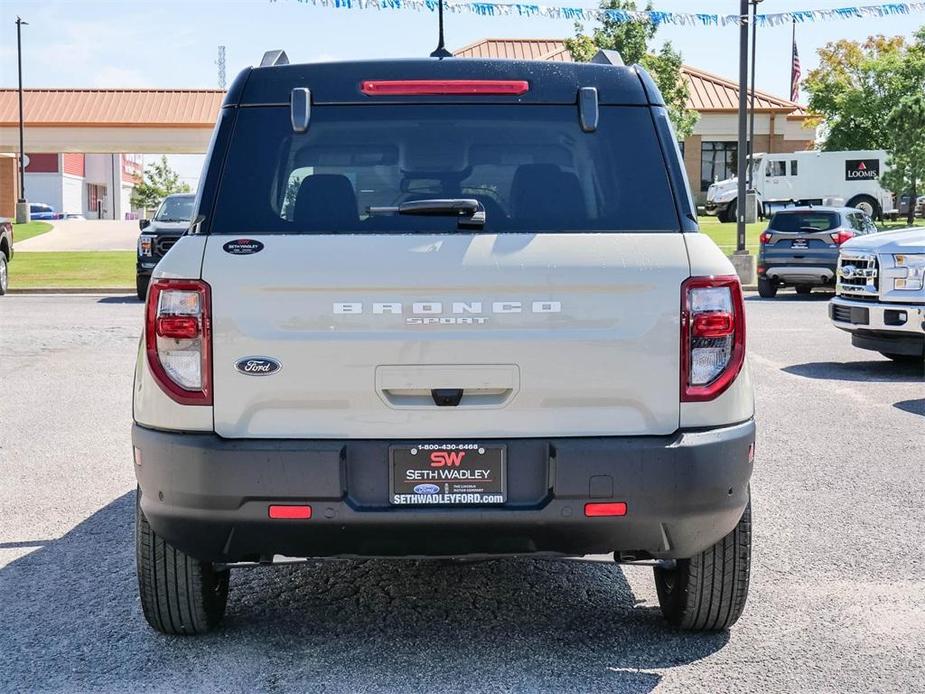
<point x="446" y="458"/>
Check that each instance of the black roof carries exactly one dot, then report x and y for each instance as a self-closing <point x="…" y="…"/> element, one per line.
<point x="339" y="82"/>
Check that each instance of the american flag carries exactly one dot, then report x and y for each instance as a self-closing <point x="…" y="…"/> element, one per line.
<point x="795" y="69"/>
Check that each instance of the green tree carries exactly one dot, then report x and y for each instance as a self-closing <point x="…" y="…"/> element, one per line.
<point x="906" y="123"/>
<point x="158" y="182"/>
<point x="631" y="40"/>
<point x="871" y="95"/>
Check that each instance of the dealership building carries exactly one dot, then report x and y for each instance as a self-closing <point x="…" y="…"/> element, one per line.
<point x="711" y="151"/>
<point x="80" y="139"/>
<point x="84" y="146"/>
<point x="97" y="186"/>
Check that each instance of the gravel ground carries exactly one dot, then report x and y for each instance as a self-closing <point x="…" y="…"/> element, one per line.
<point x="837" y="601"/>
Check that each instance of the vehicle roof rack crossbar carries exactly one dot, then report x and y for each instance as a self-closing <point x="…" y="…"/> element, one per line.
<point x="271" y="58"/>
<point x="607" y="56"/>
<point x="587" y="108"/>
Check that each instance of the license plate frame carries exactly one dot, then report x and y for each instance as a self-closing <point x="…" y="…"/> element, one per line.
<point x="447" y="474"/>
<point x="799" y="244"/>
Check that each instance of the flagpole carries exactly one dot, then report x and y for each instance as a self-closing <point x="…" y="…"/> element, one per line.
<point x="793" y="42"/>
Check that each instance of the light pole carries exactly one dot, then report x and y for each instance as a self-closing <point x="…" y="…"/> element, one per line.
<point x="751" y="107"/>
<point x="743" y="111"/>
<point x="741" y="260"/>
<point x="22" y="208"/>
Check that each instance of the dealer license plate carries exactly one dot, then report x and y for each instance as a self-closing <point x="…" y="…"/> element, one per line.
<point x="454" y="474"/>
<point x="799" y="244"/>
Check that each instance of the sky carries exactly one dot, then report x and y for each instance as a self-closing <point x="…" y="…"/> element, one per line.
<point x="174" y="43"/>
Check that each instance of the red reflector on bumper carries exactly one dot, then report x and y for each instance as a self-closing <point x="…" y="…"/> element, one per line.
<point x="303" y="512"/>
<point x="615" y="508"/>
<point x="442" y="87"/>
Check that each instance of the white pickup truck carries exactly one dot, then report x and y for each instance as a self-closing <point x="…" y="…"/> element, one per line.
<point x="880" y="293"/>
<point x="443" y="308"/>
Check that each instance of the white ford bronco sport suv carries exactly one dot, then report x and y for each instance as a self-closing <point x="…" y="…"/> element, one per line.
<point x="443" y="308"/>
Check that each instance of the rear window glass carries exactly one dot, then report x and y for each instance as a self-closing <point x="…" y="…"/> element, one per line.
<point x="804" y="221"/>
<point x="531" y="167"/>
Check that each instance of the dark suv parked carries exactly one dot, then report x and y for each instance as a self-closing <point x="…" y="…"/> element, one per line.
<point x="159" y="234"/>
<point x="800" y="247"/>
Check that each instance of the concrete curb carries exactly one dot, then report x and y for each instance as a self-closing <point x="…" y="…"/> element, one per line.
<point x="71" y="290"/>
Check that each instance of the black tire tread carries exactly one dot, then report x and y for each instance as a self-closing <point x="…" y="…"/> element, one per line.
<point x="710" y="590"/>
<point x="179" y="594"/>
<point x="766" y="289"/>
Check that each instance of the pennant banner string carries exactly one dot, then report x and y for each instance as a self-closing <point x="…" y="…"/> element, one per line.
<point x="656" y="17"/>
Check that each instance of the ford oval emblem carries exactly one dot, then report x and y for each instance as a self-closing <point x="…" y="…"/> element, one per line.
<point x="427" y="489"/>
<point x="257" y="366"/>
<point x="243" y="247"/>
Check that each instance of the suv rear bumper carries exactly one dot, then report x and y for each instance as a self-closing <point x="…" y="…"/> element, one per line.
<point x="209" y="496"/>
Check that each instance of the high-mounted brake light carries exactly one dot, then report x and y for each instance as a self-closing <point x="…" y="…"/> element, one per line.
<point x="840" y="236"/>
<point x="178" y="339"/>
<point x="712" y="336"/>
<point x="442" y="87"/>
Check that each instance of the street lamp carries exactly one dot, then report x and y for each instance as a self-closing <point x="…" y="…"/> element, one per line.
<point x="751" y="108"/>
<point x="22" y="208"/>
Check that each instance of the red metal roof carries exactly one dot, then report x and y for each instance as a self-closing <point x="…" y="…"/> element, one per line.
<point x="707" y="92"/>
<point x="132" y="108"/>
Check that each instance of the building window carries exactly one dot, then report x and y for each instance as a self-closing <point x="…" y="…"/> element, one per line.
<point x="717" y="162"/>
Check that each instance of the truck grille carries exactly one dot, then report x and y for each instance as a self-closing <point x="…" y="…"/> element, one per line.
<point x="165" y="244"/>
<point x="858" y="275"/>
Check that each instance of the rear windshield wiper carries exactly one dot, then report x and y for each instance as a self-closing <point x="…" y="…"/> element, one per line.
<point x="470" y="212"/>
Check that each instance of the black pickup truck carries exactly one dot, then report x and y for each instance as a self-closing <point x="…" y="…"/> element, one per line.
<point x="158" y="235"/>
<point x="6" y="253"/>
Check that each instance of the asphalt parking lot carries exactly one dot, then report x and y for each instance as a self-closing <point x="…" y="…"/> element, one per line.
<point x="837" y="600"/>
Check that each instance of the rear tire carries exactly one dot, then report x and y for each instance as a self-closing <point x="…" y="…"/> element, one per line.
<point x="729" y="214"/>
<point x="179" y="594"/>
<point x="803" y="289"/>
<point x="141" y="286"/>
<point x="766" y="288"/>
<point x="708" y="592"/>
<point x="4" y="273"/>
<point x="867" y="205"/>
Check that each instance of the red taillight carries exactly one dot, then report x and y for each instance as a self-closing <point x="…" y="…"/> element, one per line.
<point x="614" y="508"/>
<point x="765" y="238"/>
<point x="177" y="327"/>
<point x="289" y="511"/>
<point x="716" y="324"/>
<point x="842" y="235"/>
<point x="438" y="87"/>
<point x="178" y="339"/>
<point x="712" y="336"/>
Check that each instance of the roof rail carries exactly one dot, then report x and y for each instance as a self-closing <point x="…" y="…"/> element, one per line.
<point x="271" y="58"/>
<point x="606" y="56"/>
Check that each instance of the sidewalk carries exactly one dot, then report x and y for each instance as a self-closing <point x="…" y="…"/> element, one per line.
<point x="89" y="235"/>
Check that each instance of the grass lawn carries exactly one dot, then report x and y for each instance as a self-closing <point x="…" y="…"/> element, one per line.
<point x="724" y="235"/>
<point x="21" y="232"/>
<point x="73" y="269"/>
